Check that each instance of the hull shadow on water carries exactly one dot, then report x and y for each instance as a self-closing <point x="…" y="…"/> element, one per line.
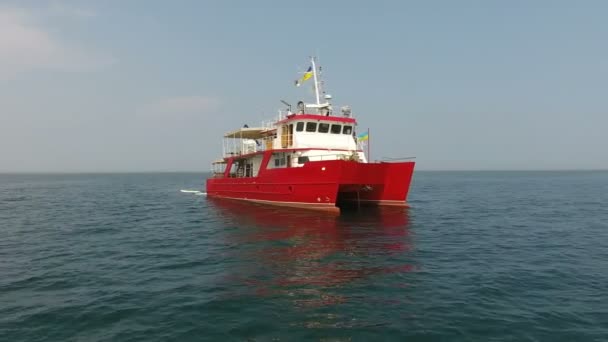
<point x="311" y="258"/>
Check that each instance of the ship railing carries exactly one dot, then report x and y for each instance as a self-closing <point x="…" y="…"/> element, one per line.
<point x="390" y="159"/>
<point x="337" y="156"/>
<point x="355" y="157"/>
<point x="218" y="168"/>
<point x="235" y="150"/>
<point x="271" y="123"/>
<point x="283" y="114"/>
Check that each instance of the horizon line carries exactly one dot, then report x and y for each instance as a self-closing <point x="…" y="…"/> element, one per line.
<point x="206" y="172"/>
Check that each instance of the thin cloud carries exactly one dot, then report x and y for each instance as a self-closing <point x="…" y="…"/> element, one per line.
<point x="26" y="46"/>
<point x="63" y="9"/>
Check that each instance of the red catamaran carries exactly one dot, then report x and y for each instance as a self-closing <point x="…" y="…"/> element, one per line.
<point x="309" y="158"/>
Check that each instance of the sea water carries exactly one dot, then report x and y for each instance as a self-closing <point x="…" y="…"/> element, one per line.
<point x="479" y="256"/>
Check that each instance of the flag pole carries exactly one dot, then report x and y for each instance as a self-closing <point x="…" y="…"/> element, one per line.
<point x="369" y="156"/>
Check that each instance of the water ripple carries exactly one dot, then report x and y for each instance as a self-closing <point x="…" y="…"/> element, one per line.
<point x="479" y="256"/>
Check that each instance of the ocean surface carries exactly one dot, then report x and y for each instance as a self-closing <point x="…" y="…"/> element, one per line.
<point x="480" y="256"/>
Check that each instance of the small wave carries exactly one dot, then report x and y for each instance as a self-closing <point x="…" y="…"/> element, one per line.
<point x="16" y="199"/>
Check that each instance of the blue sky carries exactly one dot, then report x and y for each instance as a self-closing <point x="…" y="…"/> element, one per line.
<point x="151" y="86"/>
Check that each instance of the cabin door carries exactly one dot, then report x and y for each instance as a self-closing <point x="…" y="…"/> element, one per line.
<point x="288" y="160"/>
<point x="284" y="136"/>
<point x="290" y="137"/>
<point x="248" y="170"/>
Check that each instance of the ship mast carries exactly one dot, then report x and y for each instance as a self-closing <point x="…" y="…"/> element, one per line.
<point x="314" y="74"/>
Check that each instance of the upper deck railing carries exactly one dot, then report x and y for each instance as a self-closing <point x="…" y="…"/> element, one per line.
<point x="270" y="124"/>
<point x="238" y="147"/>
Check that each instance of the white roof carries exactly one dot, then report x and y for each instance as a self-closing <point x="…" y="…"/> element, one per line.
<point x="247" y="133"/>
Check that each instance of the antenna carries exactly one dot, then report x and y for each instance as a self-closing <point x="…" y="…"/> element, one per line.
<point x="287" y="104"/>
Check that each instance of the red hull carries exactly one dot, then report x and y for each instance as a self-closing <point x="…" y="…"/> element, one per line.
<point x="321" y="185"/>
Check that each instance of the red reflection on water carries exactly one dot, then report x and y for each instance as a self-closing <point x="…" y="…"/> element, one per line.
<point x="306" y="253"/>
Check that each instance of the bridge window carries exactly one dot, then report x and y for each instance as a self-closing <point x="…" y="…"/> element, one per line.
<point x="302" y="160"/>
<point x="323" y="127"/>
<point x="299" y="126"/>
<point x="311" y="127"/>
<point x="347" y="130"/>
<point x="279" y="162"/>
<point x="336" y="129"/>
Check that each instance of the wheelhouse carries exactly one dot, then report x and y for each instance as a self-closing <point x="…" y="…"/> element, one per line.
<point x="312" y="133"/>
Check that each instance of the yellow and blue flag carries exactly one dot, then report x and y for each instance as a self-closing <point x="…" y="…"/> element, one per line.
<point x="363" y="136"/>
<point x="308" y="74"/>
